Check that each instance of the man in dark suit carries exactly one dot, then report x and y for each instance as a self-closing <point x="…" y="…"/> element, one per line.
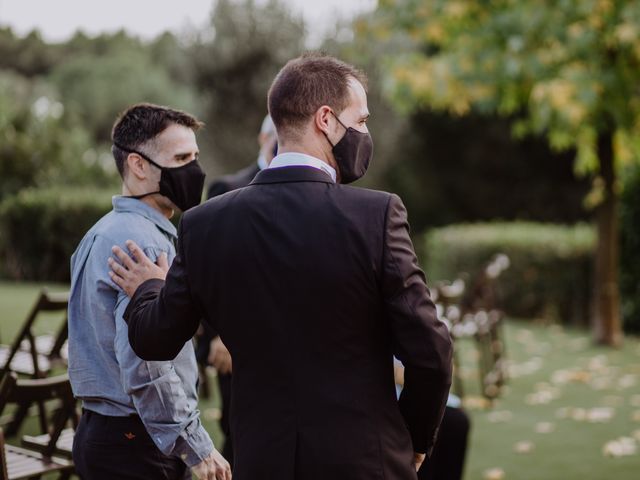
<point x="211" y="350"/>
<point x="313" y="286"/>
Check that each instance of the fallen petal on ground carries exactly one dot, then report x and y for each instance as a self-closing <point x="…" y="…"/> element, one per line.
<point x="493" y="474"/>
<point x="545" y="427"/>
<point x="524" y="446"/>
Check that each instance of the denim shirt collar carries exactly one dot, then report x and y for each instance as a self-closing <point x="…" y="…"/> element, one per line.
<point x="128" y="204"/>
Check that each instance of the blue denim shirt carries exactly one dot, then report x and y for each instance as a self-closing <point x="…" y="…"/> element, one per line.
<point x="105" y="373"/>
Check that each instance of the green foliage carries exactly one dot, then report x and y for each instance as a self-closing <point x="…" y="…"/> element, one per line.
<point x="234" y="69"/>
<point x="551" y="265"/>
<point x="98" y="88"/>
<point x="41" y="228"/>
<point x="630" y="252"/>
<point x="29" y="56"/>
<point x="569" y="69"/>
<point x="449" y="169"/>
<point x="40" y="144"/>
<point x="454" y="170"/>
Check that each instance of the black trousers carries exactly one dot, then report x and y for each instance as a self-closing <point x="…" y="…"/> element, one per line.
<point x="224" y="383"/>
<point x="447" y="458"/>
<point x="113" y="448"/>
<point x="203" y="345"/>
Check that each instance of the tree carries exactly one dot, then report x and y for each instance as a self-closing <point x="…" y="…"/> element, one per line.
<point x="568" y="71"/>
<point x="30" y="55"/>
<point x="40" y="144"/>
<point x="235" y="60"/>
<point x="97" y="88"/>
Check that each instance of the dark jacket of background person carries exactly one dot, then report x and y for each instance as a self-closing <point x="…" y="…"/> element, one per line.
<point x="233" y="181"/>
<point x="313" y="286"/>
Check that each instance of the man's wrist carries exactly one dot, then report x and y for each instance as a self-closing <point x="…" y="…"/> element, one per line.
<point x="193" y="448"/>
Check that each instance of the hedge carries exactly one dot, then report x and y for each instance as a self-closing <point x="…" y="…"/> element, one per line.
<point x="40" y="229"/>
<point x="551" y="269"/>
<point x="630" y="252"/>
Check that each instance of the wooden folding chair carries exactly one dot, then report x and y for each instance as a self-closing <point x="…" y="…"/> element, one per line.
<point x="31" y="355"/>
<point x="48" y="392"/>
<point x="481" y="307"/>
<point x="447" y="299"/>
<point x="20" y="463"/>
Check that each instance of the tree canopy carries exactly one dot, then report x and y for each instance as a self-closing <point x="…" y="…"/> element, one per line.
<point x="567" y="70"/>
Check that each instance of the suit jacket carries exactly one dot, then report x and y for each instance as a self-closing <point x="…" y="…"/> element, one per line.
<point x="224" y="184"/>
<point x="332" y="273"/>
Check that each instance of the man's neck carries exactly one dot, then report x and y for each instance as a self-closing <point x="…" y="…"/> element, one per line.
<point x="151" y="200"/>
<point x="311" y="150"/>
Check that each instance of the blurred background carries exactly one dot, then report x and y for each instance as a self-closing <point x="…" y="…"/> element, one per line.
<point x="507" y="127"/>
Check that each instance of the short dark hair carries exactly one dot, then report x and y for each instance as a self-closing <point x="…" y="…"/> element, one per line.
<point x="140" y="124"/>
<point x="305" y="84"/>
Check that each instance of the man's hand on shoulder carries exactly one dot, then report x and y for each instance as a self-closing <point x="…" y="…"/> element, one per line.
<point x="130" y="273"/>
<point x="214" y="467"/>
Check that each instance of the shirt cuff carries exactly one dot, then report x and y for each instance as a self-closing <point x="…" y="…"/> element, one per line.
<point x="193" y="446"/>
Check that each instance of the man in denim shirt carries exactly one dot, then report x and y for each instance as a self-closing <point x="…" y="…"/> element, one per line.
<point x="140" y="419"/>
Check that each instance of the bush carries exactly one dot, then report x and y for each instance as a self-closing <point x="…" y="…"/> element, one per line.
<point x="551" y="271"/>
<point x="40" y="230"/>
<point x="630" y="252"/>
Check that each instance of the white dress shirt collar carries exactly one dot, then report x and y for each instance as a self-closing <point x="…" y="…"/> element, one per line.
<point x="296" y="159"/>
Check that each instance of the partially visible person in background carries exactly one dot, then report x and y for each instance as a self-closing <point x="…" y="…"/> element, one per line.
<point x="268" y="142"/>
<point x="211" y="350"/>
<point x="140" y="419"/>
<point x="449" y="453"/>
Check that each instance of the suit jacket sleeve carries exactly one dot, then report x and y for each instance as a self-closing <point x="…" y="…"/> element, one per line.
<point x="420" y="341"/>
<point x="162" y="315"/>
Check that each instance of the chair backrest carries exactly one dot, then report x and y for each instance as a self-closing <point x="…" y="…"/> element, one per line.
<point x="52" y="301"/>
<point x="4" y="473"/>
<point x="7" y="386"/>
<point x="29" y="391"/>
<point x="46" y="302"/>
<point x="482" y="295"/>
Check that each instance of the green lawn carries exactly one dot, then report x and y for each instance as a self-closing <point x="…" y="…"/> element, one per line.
<point x="565" y="400"/>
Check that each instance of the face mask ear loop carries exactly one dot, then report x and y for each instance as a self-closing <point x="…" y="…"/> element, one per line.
<point x="336" y="117"/>
<point x="131" y="150"/>
<point x="343" y="126"/>
<point x="327" y="137"/>
<point x="139" y="197"/>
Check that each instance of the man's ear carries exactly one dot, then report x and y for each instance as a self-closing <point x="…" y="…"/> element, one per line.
<point x="137" y="166"/>
<point x="321" y="119"/>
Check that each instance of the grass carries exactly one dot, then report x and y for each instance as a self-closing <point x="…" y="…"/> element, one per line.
<point x="586" y="395"/>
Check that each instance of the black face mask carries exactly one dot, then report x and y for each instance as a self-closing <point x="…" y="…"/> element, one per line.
<point x="182" y="185"/>
<point x="352" y="153"/>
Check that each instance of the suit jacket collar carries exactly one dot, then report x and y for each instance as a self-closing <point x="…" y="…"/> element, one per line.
<point x="291" y="174"/>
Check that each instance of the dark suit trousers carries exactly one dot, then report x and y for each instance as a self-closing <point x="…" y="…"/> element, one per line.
<point x="447" y="459"/>
<point x="224" y="382"/>
<point x="108" y="448"/>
